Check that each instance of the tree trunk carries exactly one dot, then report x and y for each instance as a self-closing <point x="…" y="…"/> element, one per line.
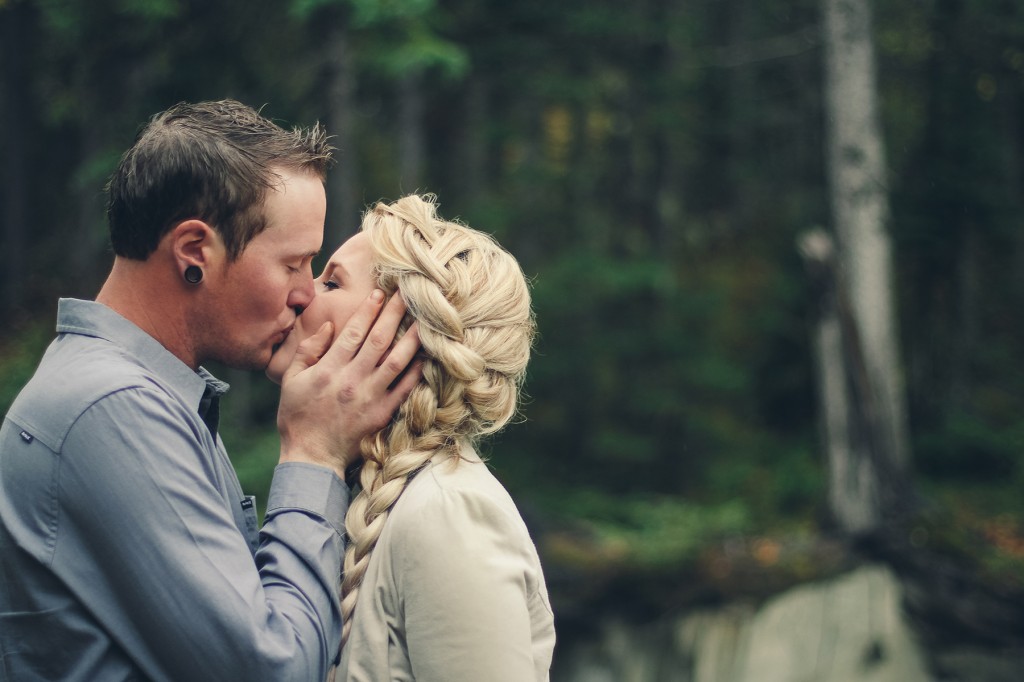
<point x="860" y="209"/>
<point x="87" y="233"/>
<point x="854" y="481"/>
<point x="410" y="133"/>
<point x="474" y="138"/>
<point x="14" y="102"/>
<point x="343" y="210"/>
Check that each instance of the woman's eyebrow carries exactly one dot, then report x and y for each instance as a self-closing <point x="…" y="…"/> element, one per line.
<point x="336" y="266"/>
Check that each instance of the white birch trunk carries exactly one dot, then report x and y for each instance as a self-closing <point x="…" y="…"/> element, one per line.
<point x="854" y="481"/>
<point x="856" y="163"/>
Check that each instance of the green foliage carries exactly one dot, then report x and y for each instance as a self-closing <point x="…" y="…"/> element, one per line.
<point x="968" y="447"/>
<point x="982" y="534"/>
<point x="151" y="9"/>
<point x="254" y="456"/>
<point x="421" y="50"/>
<point x="303" y="9"/>
<point x="650" y="532"/>
<point x="94" y="171"/>
<point x="367" y="12"/>
<point x="19" y="357"/>
<point x="395" y="37"/>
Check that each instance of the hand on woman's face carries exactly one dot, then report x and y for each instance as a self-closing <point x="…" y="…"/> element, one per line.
<point x="346" y="281"/>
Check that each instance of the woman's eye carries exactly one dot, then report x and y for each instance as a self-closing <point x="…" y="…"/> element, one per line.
<point x="331" y="285"/>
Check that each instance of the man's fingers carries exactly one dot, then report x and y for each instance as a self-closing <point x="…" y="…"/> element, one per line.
<point x="310" y="351"/>
<point x="397" y="358"/>
<point x="404" y="387"/>
<point x="392" y="398"/>
<point x="374" y="337"/>
<point x="352" y="335"/>
<point x="381" y="337"/>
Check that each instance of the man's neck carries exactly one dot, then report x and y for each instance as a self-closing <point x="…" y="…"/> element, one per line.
<point x="144" y="294"/>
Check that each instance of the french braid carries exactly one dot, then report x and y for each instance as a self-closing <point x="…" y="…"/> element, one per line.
<point x="472" y="305"/>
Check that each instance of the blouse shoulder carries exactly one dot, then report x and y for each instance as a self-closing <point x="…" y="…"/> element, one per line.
<point x="453" y="498"/>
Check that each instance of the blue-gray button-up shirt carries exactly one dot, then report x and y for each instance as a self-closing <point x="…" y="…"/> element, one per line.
<point x="127" y="548"/>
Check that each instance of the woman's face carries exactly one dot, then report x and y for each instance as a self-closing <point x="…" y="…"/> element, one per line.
<point x="345" y="283"/>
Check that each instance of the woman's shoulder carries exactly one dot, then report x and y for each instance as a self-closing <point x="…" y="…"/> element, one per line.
<point x="453" y="492"/>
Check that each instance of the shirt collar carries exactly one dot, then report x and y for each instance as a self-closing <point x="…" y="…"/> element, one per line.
<point x="89" y="318"/>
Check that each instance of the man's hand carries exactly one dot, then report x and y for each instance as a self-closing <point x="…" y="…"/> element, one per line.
<point x="332" y="395"/>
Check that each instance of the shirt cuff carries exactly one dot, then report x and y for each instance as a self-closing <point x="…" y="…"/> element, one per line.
<point x="311" y="489"/>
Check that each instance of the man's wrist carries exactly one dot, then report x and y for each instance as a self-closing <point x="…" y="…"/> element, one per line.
<point x="313" y="455"/>
<point x="299" y="486"/>
<point x="316" y="461"/>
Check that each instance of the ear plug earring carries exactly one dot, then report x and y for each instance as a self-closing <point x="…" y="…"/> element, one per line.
<point x="193" y="274"/>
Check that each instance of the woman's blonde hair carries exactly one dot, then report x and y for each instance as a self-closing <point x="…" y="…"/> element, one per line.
<point x="472" y="305"/>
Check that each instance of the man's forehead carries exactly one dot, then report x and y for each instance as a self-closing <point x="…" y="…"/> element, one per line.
<point x="291" y="244"/>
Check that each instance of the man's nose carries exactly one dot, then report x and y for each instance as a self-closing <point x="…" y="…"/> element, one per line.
<point x="302" y="295"/>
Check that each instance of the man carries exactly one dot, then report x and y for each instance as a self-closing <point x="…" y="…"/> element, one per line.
<point x="127" y="548"/>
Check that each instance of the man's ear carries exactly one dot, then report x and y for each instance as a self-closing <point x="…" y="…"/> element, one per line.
<point x="195" y="243"/>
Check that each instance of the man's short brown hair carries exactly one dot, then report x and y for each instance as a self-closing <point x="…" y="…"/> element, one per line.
<point x="213" y="161"/>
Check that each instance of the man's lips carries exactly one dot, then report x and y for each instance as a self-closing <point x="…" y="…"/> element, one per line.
<point x="282" y="336"/>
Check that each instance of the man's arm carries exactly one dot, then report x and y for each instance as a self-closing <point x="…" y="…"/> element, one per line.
<point x="148" y="546"/>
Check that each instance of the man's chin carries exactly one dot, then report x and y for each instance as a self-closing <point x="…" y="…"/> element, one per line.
<point x="257" y="363"/>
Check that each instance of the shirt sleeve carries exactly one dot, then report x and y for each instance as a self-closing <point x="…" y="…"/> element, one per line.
<point x="148" y="545"/>
<point x="463" y="574"/>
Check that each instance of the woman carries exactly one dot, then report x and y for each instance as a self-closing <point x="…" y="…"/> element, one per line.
<point x="442" y="581"/>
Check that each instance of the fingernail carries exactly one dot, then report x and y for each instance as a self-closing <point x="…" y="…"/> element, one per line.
<point x="377" y="296"/>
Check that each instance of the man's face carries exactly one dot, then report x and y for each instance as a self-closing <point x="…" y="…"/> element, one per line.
<point x="254" y="300"/>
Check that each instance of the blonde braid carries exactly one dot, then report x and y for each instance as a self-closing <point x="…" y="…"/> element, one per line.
<point x="472" y="305"/>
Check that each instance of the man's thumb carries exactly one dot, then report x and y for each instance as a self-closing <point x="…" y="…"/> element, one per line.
<point x="310" y="351"/>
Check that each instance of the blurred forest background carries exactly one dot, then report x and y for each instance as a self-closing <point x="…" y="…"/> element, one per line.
<point x="652" y="164"/>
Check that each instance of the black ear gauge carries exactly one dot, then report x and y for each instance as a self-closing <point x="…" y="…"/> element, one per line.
<point x="193" y="274"/>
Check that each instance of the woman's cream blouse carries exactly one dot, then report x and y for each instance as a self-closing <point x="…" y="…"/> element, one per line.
<point x="454" y="590"/>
